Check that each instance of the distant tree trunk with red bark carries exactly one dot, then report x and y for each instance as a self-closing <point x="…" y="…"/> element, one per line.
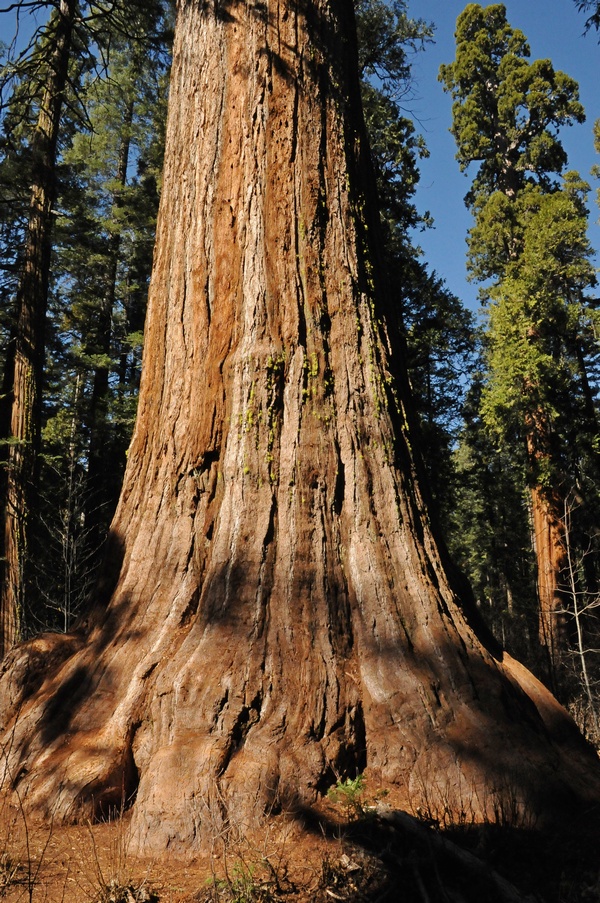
<point x="547" y="514"/>
<point x="549" y="547"/>
<point x="278" y="612"/>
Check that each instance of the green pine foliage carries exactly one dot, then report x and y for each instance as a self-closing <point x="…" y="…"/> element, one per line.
<point x="506" y="109"/>
<point x="387" y="39"/>
<point x="438" y="329"/>
<point x="489" y="532"/>
<point x="540" y="324"/>
<point x="101" y="271"/>
<point x="108" y="173"/>
<point x="593" y="8"/>
<point x="536" y="404"/>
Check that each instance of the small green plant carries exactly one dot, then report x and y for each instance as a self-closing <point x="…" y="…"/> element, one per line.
<point x="350" y="794"/>
<point x="247" y="882"/>
<point x="238" y="887"/>
<point x="248" y="866"/>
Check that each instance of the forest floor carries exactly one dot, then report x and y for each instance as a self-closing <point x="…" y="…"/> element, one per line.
<point x="345" y="853"/>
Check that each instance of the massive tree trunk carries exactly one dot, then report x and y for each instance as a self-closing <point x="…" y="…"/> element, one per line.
<point x="25" y="361"/>
<point x="278" y="611"/>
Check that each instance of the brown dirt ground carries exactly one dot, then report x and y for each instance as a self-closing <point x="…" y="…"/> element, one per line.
<point x="323" y="857"/>
<point x="77" y="863"/>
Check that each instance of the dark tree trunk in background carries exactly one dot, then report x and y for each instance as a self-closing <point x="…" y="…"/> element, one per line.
<point x="279" y="612"/>
<point x="25" y="361"/>
<point x="101" y="494"/>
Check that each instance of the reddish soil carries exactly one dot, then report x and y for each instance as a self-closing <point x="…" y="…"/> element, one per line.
<point x="330" y="857"/>
<point x="82" y="863"/>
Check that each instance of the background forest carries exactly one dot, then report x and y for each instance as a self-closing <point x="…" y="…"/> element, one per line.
<point x="508" y="402"/>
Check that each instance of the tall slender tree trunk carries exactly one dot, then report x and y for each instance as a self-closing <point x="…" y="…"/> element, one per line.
<point x="549" y="535"/>
<point x="25" y="362"/>
<point x="547" y="509"/>
<point x="278" y="611"/>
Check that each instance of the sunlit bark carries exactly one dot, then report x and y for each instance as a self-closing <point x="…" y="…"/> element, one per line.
<point x="276" y="610"/>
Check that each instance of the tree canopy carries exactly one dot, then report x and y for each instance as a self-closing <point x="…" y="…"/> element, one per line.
<point x="507" y="110"/>
<point x="529" y="248"/>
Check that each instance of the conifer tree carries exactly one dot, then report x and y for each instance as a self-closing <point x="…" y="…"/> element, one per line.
<point x="44" y="72"/>
<point x="593" y="8"/>
<point x="528" y="244"/>
<point x="277" y="610"/>
<point x="102" y="261"/>
<point x="24" y="364"/>
<point x="436" y="327"/>
<point x="488" y="528"/>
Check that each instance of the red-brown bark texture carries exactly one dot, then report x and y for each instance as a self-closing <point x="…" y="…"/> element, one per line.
<point x="279" y="613"/>
<point x="549" y="546"/>
<point x="547" y="517"/>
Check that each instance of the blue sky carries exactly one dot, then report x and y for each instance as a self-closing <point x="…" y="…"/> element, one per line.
<point x="554" y="29"/>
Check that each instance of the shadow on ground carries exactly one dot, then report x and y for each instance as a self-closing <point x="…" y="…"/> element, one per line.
<point x="392" y="856"/>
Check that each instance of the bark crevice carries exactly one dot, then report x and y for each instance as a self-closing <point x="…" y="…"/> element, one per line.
<point x="281" y="615"/>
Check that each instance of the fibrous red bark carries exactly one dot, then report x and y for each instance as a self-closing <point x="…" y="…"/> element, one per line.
<point x="549" y="547"/>
<point x="280" y="612"/>
<point x="547" y="515"/>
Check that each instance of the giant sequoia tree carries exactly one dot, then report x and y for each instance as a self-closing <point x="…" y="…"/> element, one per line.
<point x="529" y="240"/>
<point x="278" y="611"/>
